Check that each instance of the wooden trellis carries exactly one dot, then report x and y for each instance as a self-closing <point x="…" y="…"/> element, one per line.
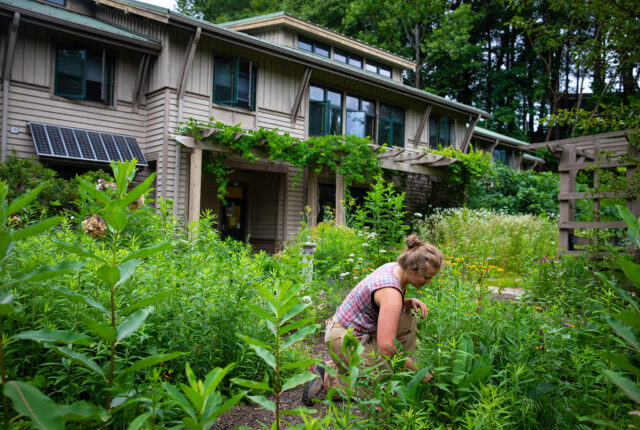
<point x="578" y="154"/>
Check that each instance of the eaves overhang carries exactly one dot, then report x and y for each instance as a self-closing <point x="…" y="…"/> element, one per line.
<point x="319" y="63"/>
<point x="492" y="136"/>
<point x="60" y="19"/>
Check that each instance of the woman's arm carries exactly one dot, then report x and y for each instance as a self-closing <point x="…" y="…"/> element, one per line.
<point x="389" y="301"/>
<point x="415" y="304"/>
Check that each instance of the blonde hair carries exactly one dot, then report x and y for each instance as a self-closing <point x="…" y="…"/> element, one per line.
<point x="420" y="255"/>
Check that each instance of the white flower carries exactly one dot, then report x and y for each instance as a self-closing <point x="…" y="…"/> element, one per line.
<point x="352" y="255"/>
<point x="343" y="274"/>
<point x="417" y="215"/>
<point x="382" y="251"/>
<point x="365" y="244"/>
<point x="306" y="299"/>
<point x="359" y="258"/>
<point x="350" y="260"/>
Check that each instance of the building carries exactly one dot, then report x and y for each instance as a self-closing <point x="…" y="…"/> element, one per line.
<point x="85" y="81"/>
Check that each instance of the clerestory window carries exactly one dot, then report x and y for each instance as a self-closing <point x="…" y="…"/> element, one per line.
<point x="234" y="82"/>
<point x="84" y="74"/>
<point x="314" y="46"/>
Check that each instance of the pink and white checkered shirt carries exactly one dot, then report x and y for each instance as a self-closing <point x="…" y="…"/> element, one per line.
<point x="358" y="310"/>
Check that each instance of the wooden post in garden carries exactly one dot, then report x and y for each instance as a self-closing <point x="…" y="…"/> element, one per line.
<point x="632" y="203"/>
<point x="195" y="184"/>
<point x="567" y="204"/>
<point x="340" y="192"/>
<point x="312" y="196"/>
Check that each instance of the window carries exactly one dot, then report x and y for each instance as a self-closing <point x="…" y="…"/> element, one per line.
<point x="390" y="125"/>
<point x="441" y="132"/>
<point x="378" y="68"/>
<point x="502" y="156"/>
<point x="361" y="117"/>
<point x="84" y="74"/>
<point x="345" y="57"/>
<point x="58" y="2"/>
<point x="313" y="46"/>
<point x="325" y="111"/>
<point x="234" y="82"/>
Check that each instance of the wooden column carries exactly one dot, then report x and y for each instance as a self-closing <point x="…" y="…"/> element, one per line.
<point x="195" y="184"/>
<point x="312" y="196"/>
<point x="633" y="203"/>
<point x="340" y="191"/>
<point x="567" y="205"/>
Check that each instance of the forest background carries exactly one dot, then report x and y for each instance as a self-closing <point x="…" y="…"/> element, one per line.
<point x="519" y="60"/>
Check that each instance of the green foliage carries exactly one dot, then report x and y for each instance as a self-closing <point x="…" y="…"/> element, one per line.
<point x="383" y="212"/>
<point x="473" y="165"/>
<point x="279" y="314"/>
<point x="351" y="156"/>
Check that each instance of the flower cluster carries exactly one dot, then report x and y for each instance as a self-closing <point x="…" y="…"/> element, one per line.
<point x="103" y="186"/>
<point x="95" y="227"/>
<point x="136" y="204"/>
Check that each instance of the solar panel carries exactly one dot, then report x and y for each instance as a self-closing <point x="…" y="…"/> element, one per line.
<point x="88" y="145"/>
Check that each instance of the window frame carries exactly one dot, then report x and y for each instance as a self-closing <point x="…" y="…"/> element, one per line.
<point x="449" y="132"/>
<point x="327" y="109"/>
<point x="367" y="115"/>
<point x="107" y="78"/>
<point x="315" y="44"/>
<point x="393" y="123"/>
<point x="378" y="67"/>
<point x="348" y="57"/>
<point x="237" y="64"/>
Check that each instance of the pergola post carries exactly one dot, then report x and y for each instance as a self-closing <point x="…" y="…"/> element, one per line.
<point x="195" y="184"/>
<point x="567" y="206"/>
<point x="340" y="192"/>
<point x="633" y="203"/>
<point x="312" y="196"/>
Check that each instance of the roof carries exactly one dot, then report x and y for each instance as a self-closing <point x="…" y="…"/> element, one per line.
<point x="314" y="30"/>
<point x="492" y="135"/>
<point x="49" y="15"/>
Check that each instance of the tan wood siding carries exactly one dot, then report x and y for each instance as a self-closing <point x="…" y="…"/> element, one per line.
<point x="294" y="204"/>
<point x="196" y="106"/>
<point x="32" y="103"/>
<point x="272" y="120"/>
<point x="32" y="62"/>
<point x="131" y="22"/>
<point x="200" y="76"/>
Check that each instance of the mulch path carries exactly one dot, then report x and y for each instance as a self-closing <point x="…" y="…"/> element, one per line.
<point x="251" y="415"/>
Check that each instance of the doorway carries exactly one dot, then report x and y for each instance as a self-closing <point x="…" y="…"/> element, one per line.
<point x="233" y="214"/>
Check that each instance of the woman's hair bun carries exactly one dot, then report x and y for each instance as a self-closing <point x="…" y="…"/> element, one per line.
<point x="413" y="242"/>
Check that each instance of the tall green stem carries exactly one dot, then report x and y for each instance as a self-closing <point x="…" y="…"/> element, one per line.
<point x="5" y="407"/>
<point x="114" y="255"/>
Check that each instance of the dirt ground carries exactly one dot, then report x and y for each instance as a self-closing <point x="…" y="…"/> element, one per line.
<point x="251" y="414"/>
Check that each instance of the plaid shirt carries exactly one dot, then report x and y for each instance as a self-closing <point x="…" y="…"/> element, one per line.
<point x="358" y="310"/>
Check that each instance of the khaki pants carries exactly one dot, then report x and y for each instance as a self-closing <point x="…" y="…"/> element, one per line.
<point x="335" y="332"/>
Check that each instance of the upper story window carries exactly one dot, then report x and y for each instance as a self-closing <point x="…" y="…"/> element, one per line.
<point x="234" y="82"/>
<point x="58" y="2"/>
<point x="84" y="74"/>
<point x="313" y="46"/>
<point x="502" y="156"/>
<point x="378" y="68"/>
<point x="346" y="57"/>
<point x="390" y="125"/>
<point x="441" y="132"/>
<point x="325" y="111"/>
<point x="361" y="117"/>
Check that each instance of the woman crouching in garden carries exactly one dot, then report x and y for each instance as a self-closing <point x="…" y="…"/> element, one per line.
<point x="378" y="313"/>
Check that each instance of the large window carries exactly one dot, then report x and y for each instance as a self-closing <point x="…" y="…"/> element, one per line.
<point x="441" y="132"/>
<point x="84" y="74"/>
<point x="361" y="117"/>
<point x="313" y="46"/>
<point x="234" y="82"/>
<point x="390" y="125"/>
<point x="325" y="111"/>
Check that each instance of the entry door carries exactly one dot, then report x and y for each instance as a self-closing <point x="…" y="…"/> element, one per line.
<point x="233" y="214"/>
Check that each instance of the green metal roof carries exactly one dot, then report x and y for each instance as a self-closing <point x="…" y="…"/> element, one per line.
<point x="45" y="11"/>
<point x="493" y="135"/>
<point x="252" y="18"/>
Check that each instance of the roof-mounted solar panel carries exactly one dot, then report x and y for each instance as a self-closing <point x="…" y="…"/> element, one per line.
<point x="85" y="145"/>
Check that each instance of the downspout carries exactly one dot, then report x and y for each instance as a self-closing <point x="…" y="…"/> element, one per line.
<point x="181" y="90"/>
<point x="6" y="82"/>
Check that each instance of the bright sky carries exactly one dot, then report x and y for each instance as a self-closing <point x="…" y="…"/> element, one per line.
<point x="169" y="4"/>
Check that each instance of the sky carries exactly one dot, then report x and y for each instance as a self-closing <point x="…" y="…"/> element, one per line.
<point x="162" y="3"/>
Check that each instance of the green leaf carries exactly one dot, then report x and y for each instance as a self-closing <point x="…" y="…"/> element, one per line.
<point x="298" y="379"/>
<point x="127" y="269"/>
<point x="253" y="385"/>
<point x="148" y="362"/>
<point x="83" y="411"/>
<point x="599" y="423"/>
<point x="627" y="385"/>
<point x="30" y="402"/>
<point x="624" y="332"/>
<point x="264" y="402"/>
<point x="6" y="303"/>
<point x="298" y="364"/>
<point x="98" y="196"/>
<point x="105" y="331"/>
<point x="150" y="300"/>
<point x="225" y="407"/>
<point x="139" y="190"/>
<point x="179" y="399"/>
<point x="293" y="312"/>
<point x="255" y="342"/>
<point x="476" y="376"/>
<point x="462" y="361"/>
<point x="299" y="411"/>
<point x="115" y="216"/>
<point x="628" y="217"/>
<point x="622" y="362"/>
<point x="630" y="269"/>
<point x="75" y="249"/>
<point x="146" y="252"/>
<point x="294" y="326"/>
<point x="139" y="421"/>
<point x="262" y="350"/>
<point x="108" y="274"/>
<point x="262" y="313"/>
<point x="48" y="272"/>
<point x="80" y="299"/>
<point x="55" y="336"/>
<point x="214" y="377"/>
<point x="6" y="244"/>
<point x="133" y="323"/>
<point x="22" y="201"/>
<point x="630" y="318"/>
<point x="299" y="335"/>
<point x="79" y="358"/>
<point x="266" y="294"/>
<point x="35" y="229"/>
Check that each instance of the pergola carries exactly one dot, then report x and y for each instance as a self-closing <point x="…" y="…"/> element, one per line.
<point x="410" y="160"/>
<point x="601" y="151"/>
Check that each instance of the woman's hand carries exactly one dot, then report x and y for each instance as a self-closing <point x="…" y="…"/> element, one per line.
<point x="416" y="304"/>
